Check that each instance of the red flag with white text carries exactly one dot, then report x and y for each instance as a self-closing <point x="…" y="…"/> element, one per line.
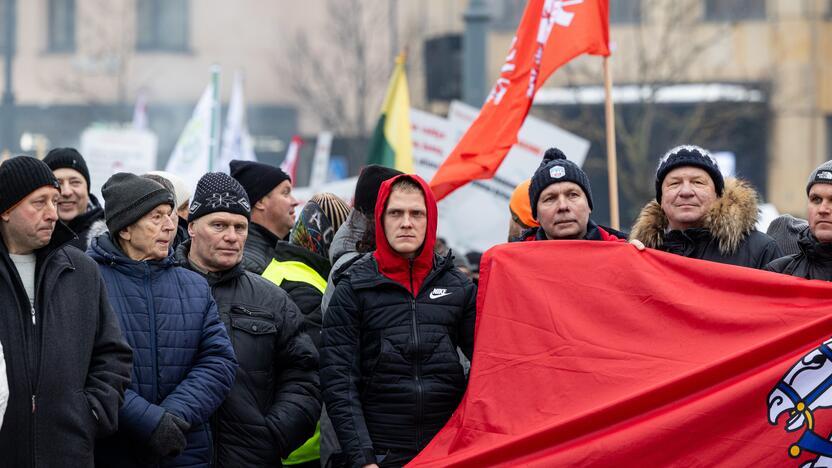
<point x="551" y="33"/>
<point x="596" y="354"/>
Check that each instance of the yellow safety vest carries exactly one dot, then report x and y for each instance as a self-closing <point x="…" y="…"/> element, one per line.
<point x="277" y="272"/>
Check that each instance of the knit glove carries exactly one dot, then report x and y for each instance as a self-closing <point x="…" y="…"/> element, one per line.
<point x="168" y="439"/>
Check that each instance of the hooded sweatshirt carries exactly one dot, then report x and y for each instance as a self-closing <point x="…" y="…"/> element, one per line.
<point x="410" y="273"/>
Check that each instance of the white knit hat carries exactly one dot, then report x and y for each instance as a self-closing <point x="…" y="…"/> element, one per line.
<point x="181" y="191"/>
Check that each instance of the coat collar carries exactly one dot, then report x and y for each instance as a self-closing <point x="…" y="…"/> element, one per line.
<point x="731" y="218"/>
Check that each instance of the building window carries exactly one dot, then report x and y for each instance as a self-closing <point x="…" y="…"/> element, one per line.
<point x="61" y="26"/>
<point x="162" y="25"/>
<point x="2" y="26"/>
<point x="735" y="10"/>
<point x="625" y="11"/>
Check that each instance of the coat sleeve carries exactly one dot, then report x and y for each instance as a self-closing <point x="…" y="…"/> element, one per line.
<point x="308" y="301"/>
<point x="341" y="372"/>
<point x="469" y="317"/>
<point x="210" y="378"/>
<point x="109" y="369"/>
<point x="770" y="252"/>
<point x="4" y="386"/>
<point x="293" y="416"/>
<point x="138" y="416"/>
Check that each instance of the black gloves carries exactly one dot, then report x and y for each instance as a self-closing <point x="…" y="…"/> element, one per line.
<point x="168" y="439"/>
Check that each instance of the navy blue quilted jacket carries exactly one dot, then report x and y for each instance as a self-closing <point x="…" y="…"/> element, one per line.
<point x="183" y="361"/>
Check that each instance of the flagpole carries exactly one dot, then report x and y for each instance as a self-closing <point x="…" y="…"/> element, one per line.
<point x="612" y="160"/>
<point x="215" y="117"/>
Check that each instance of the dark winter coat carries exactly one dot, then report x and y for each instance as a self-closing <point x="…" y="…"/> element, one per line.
<point x="728" y="236"/>
<point x="66" y="374"/>
<point x="275" y="402"/>
<point x="814" y="261"/>
<point x="390" y="371"/>
<point x="305" y="295"/>
<point x="183" y="360"/>
<point x="259" y="249"/>
<point x="88" y="225"/>
<point x="593" y="232"/>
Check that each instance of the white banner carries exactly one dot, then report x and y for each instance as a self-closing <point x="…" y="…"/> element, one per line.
<point x="190" y="159"/>
<point x="236" y="141"/>
<point x="108" y="151"/>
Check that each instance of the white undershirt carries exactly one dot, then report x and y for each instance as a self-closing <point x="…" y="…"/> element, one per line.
<point x="25" y="265"/>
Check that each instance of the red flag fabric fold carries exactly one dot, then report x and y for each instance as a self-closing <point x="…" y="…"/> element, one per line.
<point x="596" y="354"/>
<point x="551" y="33"/>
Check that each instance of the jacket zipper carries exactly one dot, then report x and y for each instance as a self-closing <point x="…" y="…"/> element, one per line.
<point x="418" y="359"/>
<point x="153" y="351"/>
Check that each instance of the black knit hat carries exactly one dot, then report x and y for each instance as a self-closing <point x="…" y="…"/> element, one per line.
<point x="21" y="176"/>
<point x="257" y="179"/>
<point x="128" y="197"/>
<point x="69" y="158"/>
<point x="688" y="155"/>
<point x="215" y="192"/>
<point x="368" y="185"/>
<point x="553" y="169"/>
<point x="821" y="175"/>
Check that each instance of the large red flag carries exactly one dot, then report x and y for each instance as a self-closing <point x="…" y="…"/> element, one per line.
<point x="595" y="354"/>
<point x="551" y="33"/>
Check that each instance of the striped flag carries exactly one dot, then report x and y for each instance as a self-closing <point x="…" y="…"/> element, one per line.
<point x="391" y="144"/>
<point x="290" y="162"/>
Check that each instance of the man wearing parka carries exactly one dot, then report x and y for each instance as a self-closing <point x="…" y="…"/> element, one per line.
<point x="814" y="259"/>
<point x="275" y="401"/>
<point x="67" y="363"/>
<point x="184" y="364"/>
<point x="390" y="371"/>
<point x="698" y="214"/>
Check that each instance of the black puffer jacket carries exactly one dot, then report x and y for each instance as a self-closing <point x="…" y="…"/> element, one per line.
<point x="274" y="404"/>
<point x="390" y="371"/>
<point x="728" y="235"/>
<point x="67" y="373"/>
<point x="259" y="249"/>
<point x="813" y="262"/>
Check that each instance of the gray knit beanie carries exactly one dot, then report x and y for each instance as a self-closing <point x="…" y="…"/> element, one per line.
<point x="821" y="175"/>
<point x="128" y="197"/>
<point x="785" y="230"/>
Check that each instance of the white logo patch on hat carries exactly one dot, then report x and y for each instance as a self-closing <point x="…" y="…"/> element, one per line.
<point x="194" y="206"/>
<point x="824" y="175"/>
<point x="557" y="172"/>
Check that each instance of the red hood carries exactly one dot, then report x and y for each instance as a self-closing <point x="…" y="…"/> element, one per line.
<point x="393" y="265"/>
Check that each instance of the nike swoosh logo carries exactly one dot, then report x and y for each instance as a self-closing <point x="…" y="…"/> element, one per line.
<point x="433" y="295"/>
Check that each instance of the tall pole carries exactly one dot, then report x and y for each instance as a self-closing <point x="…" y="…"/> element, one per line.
<point x="215" y="117"/>
<point x="612" y="160"/>
<point x="7" y="103"/>
<point x="394" y="28"/>
<point x="474" y="53"/>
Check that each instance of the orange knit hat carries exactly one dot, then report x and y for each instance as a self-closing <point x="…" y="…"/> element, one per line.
<point x="521" y="209"/>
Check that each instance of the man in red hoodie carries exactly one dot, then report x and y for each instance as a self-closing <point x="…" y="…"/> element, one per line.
<point x="390" y="371"/>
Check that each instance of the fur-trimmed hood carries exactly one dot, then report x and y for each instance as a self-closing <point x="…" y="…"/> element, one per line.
<point x="732" y="217"/>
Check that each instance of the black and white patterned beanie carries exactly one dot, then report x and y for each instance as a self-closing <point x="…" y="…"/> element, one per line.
<point x="215" y="192"/>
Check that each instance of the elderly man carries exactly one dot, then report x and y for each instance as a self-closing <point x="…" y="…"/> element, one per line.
<point x="77" y="207"/>
<point x="814" y="259"/>
<point x="390" y="371"/>
<point x="561" y="202"/>
<point x="275" y="402"/>
<point x="184" y="364"/>
<point x="697" y="214"/>
<point x="269" y="190"/>
<point x="67" y="362"/>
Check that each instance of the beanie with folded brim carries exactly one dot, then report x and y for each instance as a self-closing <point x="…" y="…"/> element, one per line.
<point x="20" y="176"/>
<point x="128" y="197"/>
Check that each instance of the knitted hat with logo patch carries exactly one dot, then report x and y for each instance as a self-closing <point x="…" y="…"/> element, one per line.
<point x="821" y="175"/>
<point x="556" y="168"/>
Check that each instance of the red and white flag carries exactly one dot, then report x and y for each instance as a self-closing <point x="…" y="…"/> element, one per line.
<point x="596" y="354"/>
<point x="290" y="162"/>
<point x="551" y="33"/>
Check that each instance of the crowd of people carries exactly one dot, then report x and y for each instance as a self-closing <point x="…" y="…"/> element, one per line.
<point x="221" y="328"/>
